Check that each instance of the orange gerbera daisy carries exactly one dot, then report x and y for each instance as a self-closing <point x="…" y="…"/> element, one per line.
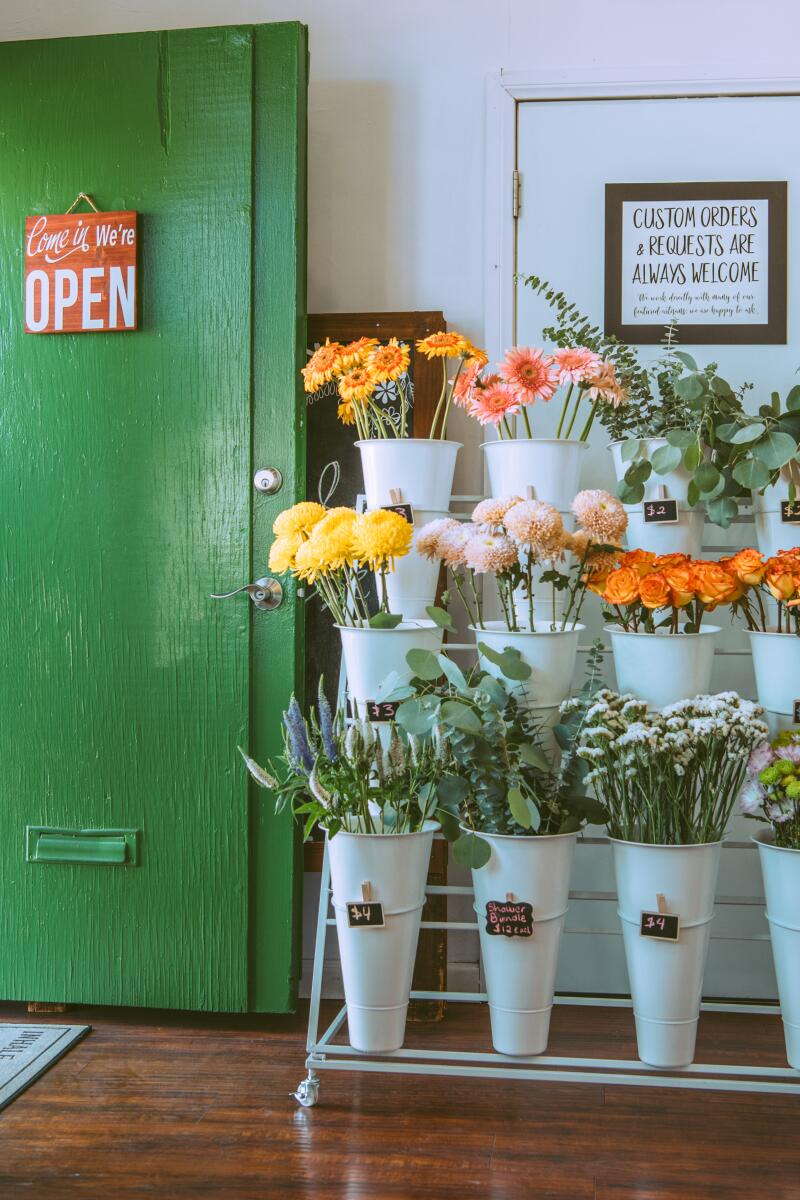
<point x="389" y="361"/>
<point x="322" y="365"/>
<point x="474" y="356"/>
<point x="355" y="353"/>
<point x="443" y="345"/>
<point x="346" y="413"/>
<point x="357" y="384"/>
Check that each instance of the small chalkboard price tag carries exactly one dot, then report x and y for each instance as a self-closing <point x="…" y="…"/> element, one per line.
<point x="661" y="512"/>
<point x="403" y="510"/>
<point x="377" y="710"/>
<point x="665" y="926"/>
<point x="797" y="712"/>
<point x="365" y="914"/>
<point x="790" y="512"/>
<point x="509" y="918"/>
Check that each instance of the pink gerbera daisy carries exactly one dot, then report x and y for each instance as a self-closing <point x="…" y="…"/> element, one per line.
<point x="529" y="372"/>
<point x="491" y="404"/>
<point x="464" y="385"/>
<point x="575" y="364"/>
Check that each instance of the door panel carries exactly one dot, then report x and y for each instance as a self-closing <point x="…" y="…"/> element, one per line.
<point x="126" y="499"/>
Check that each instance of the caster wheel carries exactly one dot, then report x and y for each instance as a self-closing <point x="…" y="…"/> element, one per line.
<point x="307" y="1093"/>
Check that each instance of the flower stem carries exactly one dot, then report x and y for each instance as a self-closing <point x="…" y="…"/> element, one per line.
<point x="564" y="410"/>
<point x="589" y="421"/>
<point x="574" y="415"/>
<point x="442" y="396"/>
<point x="527" y="422"/>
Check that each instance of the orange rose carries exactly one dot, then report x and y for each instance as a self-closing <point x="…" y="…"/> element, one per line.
<point x="640" y="561"/>
<point x="654" y="591"/>
<point x="664" y="562"/>
<point x="715" y="585"/>
<point x="748" y="566"/>
<point x="681" y="581"/>
<point x="781" y="583"/>
<point x="622" y="587"/>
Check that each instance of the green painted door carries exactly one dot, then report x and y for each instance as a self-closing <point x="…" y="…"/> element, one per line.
<point x="126" y="499"/>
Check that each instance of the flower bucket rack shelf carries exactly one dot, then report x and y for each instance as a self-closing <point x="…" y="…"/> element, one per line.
<point x="323" y="1054"/>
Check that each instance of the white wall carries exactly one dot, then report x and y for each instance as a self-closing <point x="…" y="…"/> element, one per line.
<point x="396" y="113"/>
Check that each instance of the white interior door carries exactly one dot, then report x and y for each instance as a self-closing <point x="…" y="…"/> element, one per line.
<point x="566" y="153"/>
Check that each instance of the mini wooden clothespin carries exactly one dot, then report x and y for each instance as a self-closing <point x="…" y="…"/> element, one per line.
<point x="661" y="901"/>
<point x="366" y="891"/>
<point x="396" y="495"/>
<point x="510" y="897"/>
<point x="662" y="491"/>
<point x="530" y="492"/>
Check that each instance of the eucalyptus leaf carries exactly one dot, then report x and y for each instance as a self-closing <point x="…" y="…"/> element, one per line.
<point x="570" y="824"/>
<point x="706" y="477"/>
<point x="440" y="617"/>
<point x="680" y="437"/>
<point x="471" y="851"/>
<point x="535" y="815"/>
<point x="629" y="449"/>
<point x="692" y="493"/>
<point x="427" y="799"/>
<point x="640" y="472"/>
<point x="750" y="433"/>
<point x="384" y="620"/>
<point x="418" y="715"/>
<point x="534" y="757"/>
<point x="691" y="456"/>
<point x="393" y="687"/>
<point x="493" y="690"/>
<point x="722" y="511"/>
<point x="726" y="431"/>
<point x="751" y="473"/>
<point x="518" y="808"/>
<point x="721" y="387"/>
<point x="666" y="459"/>
<point x="563" y="735"/>
<point x="452" y="791"/>
<point x="451" y="828"/>
<point x="630" y="494"/>
<point x="453" y="672"/>
<point x="775" y="449"/>
<point x="460" y="716"/>
<point x="689" y="387"/>
<point x="793" y="399"/>
<point x="509" y="661"/>
<point x="424" y="664"/>
<point x="686" y="359"/>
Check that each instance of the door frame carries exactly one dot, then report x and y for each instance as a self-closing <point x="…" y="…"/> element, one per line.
<point x="505" y="91"/>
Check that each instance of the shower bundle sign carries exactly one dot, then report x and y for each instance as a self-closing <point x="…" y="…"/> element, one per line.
<point x="80" y="272"/>
<point x="706" y="257"/>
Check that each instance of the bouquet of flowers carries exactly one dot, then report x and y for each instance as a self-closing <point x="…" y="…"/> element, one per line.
<point x="644" y="585"/>
<point x="496" y="776"/>
<point x="772" y="791"/>
<point x="670" y="777"/>
<point x="365" y="369"/>
<point x="510" y="538"/>
<point x="777" y="577"/>
<point x="341" y="776"/>
<point x="329" y="548"/>
<point x="527" y="375"/>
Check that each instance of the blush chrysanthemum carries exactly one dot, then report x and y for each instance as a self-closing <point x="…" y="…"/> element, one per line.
<point x="602" y="514"/>
<point x="492" y="552"/>
<point x="537" y="526"/>
<point x="492" y="511"/>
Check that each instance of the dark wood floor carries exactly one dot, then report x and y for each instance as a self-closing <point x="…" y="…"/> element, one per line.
<point x="177" y="1106"/>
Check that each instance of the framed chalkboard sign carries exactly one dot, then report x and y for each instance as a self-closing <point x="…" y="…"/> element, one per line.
<point x="710" y="257"/>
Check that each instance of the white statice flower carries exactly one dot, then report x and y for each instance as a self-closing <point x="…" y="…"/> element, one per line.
<point x="751" y="797"/>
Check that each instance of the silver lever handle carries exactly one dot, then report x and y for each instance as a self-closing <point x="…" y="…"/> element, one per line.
<point x="265" y="593"/>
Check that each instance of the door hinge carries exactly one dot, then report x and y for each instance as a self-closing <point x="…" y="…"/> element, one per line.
<point x="515" y="186"/>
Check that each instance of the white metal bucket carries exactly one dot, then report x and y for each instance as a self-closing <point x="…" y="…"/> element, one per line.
<point x="772" y="532"/>
<point x="781" y="872"/>
<point x="378" y="963"/>
<point x="520" y="972"/>
<point x="412" y="584"/>
<point x="549" y="653"/>
<point x="776" y="662"/>
<point x="370" y="655"/>
<point x="663" y="667"/>
<point x="421" y="469"/>
<point x="666" y="978"/>
<point x="551" y="466"/>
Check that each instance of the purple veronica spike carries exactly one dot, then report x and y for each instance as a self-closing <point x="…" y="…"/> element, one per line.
<point x="298" y="735"/>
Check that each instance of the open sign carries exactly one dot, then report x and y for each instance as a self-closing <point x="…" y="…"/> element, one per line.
<point x="80" y="272"/>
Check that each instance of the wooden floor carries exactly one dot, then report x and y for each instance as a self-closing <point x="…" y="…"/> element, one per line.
<point x="174" y="1106"/>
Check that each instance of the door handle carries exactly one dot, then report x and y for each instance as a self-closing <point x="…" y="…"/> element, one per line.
<point x="265" y="593"/>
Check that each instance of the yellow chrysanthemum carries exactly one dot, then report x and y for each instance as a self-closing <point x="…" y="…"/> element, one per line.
<point x="390" y="361"/>
<point x="346" y="413"/>
<point x="322" y="366"/>
<point x="299" y="519"/>
<point x="355" y="354"/>
<point x="308" y="562"/>
<point x="357" y="384"/>
<point x="443" y="345"/>
<point x="283" y="551"/>
<point x="332" y="540"/>
<point x="381" y="536"/>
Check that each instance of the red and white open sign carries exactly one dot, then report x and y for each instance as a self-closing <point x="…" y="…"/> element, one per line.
<point x="80" y="272"/>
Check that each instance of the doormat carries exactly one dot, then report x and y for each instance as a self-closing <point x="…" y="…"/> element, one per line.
<point x="26" y="1052"/>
